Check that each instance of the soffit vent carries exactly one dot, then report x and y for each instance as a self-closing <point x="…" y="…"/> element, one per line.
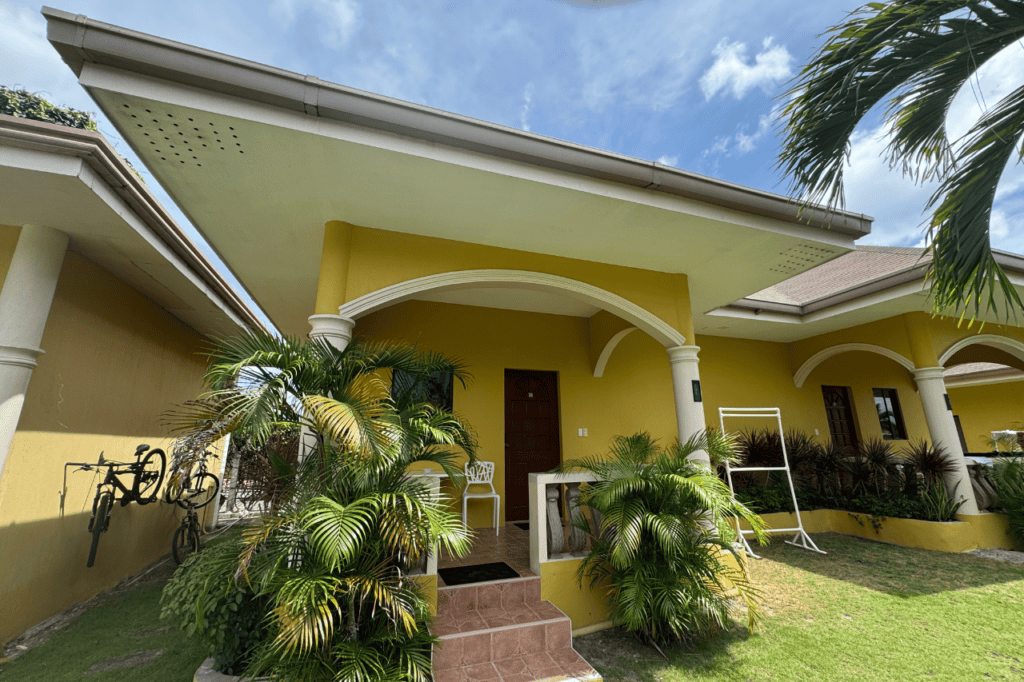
<point x="181" y="140"/>
<point x="797" y="259"/>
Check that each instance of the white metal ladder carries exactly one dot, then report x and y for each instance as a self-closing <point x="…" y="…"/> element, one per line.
<point x="801" y="539"/>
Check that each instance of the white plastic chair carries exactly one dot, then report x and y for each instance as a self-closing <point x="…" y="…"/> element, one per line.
<point x="480" y="473"/>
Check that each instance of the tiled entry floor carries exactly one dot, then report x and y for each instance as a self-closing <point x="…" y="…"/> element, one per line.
<point x="512" y="545"/>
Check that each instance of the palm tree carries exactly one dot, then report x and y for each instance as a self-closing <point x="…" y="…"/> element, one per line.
<point x="917" y="55"/>
<point x="332" y="561"/>
<point x="661" y="535"/>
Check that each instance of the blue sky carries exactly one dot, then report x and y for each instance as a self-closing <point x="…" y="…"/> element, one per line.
<point x="692" y="84"/>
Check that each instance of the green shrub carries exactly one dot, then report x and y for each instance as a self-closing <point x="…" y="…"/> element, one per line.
<point x="206" y="603"/>
<point x="659" y="549"/>
<point x="937" y="503"/>
<point x="1008" y="477"/>
<point x="767" y="499"/>
<point x="24" y="104"/>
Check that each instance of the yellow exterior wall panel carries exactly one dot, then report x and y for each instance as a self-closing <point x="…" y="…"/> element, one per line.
<point x="114" y="363"/>
<point x="988" y="408"/>
<point x="8" y="242"/>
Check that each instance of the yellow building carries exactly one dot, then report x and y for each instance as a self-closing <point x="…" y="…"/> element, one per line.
<point x="591" y="294"/>
<point x="104" y="309"/>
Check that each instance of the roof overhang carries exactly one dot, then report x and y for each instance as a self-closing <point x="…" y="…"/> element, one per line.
<point x="901" y="292"/>
<point x="73" y="180"/>
<point x="289" y="152"/>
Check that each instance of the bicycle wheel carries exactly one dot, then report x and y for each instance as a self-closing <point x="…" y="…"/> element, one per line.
<point x="198" y="491"/>
<point x="98" y="524"/>
<point x="184" y="544"/>
<point x="149" y="476"/>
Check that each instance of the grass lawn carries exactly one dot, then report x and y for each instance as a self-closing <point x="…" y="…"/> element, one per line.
<point x="124" y="621"/>
<point x="865" y="612"/>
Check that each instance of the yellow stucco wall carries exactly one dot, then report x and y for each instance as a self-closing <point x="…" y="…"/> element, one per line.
<point x="8" y="241"/>
<point x="379" y="258"/>
<point x="114" y="362"/>
<point x="984" y="409"/>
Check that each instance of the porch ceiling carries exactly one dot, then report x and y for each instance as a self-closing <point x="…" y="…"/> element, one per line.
<point x="260" y="184"/>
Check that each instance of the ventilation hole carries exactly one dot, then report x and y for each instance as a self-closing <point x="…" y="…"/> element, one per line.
<point x="151" y="142"/>
<point x="183" y="162"/>
<point x="171" y="146"/>
<point x="190" y="120"/>
<point x="181" y="133"/>
<point x="134" y="116"/>
<point x="167" y="138"/>
<point x="160" y="129"/>
<point x="169" y="116"/>
<point x="218" y="140"/>
<point x="230" y="128"/>
<point x="222" y="148"/>
<point x="177" y="154"/>
<point x="235" y="136"/>
<point x="240" y="151"/>
<point x="163" y="158"/>
<point x="194" y="157"/>
<point x="199" y="136"/>
<point x="199" y="165"/>
<point x="139" y="124"/>
<point x="146" y="134"/>
<point x="238" y="144"/>
<point x="204" y="145"/>
<point x="190" y="150"/>
<point x="155" y="121"/>
<point x="196" y="129"/>
<point x="148" y="111"/>
<point x="211" y="123"/>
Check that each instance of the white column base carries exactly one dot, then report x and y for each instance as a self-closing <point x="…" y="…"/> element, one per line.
<point x="932" y="388"/>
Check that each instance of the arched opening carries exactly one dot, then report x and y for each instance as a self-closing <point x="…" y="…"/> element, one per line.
<point x="800" y="376"/>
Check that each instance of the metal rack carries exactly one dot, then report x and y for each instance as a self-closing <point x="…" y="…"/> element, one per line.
<point x="801" y="539"/>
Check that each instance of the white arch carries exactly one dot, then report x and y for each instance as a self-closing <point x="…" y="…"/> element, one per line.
<point x="1011" y="346"/>
<point x="602" y="360"/>
<point x="519" y="279"/>
<point x="805" y="369"/>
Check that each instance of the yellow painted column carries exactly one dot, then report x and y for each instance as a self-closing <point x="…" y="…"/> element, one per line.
<point x="332" y="283"/>
<point x="931" y="387"/>
<point x="333" y="280"/>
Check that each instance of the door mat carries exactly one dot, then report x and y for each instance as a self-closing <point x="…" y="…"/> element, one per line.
<point x="478" y="573"/>
<point x="525" y="525"/>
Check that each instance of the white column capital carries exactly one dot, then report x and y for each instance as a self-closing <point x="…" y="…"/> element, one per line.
<point x="18" y="356"/>
<point x="927" y="373"/>
<point x="677" y="354"/>
<point x="334" y="329"/>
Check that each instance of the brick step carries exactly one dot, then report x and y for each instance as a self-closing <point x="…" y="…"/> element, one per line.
<point x="454" y="602"/>
<point x="564" y="665"/>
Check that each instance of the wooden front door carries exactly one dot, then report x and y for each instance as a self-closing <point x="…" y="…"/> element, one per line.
<point x="839" y="413"/>
<point x="532" y="436"/>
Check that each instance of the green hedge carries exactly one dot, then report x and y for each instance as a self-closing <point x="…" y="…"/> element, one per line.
<point x="24" y="104"/>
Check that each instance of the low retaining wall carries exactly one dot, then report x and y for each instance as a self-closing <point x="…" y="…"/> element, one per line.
<point x="968" y="532"/>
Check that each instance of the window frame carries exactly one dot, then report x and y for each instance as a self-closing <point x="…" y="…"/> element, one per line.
<point x="890" y="395"/>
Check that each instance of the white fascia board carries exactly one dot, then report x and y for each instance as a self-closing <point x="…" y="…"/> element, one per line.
<point x="95" y="77"/>
<point x="40" y="161"/>
<point x="982" y="379"/>
<point x="94" y="182"/>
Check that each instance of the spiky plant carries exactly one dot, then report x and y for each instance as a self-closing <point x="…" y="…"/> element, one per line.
<point x="914" y="57"/>
<point x="660" y="547"/>
<point x="1007" y="476"/>
<point x="332" y="560"/>
<point x="933" y="462"/>
<point x="880" y="460"/>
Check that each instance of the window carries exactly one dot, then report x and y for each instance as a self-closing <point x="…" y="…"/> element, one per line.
<point x="436" y="389"/>
<point x="890" y="416"/>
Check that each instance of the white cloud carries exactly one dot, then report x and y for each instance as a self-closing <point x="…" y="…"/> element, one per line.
<point x="740" y="143"/>
<point x="666" y="160"/>
<point x="524" y="122"/>
<point x="732" y="72"/>
<point x="337" y="19"/>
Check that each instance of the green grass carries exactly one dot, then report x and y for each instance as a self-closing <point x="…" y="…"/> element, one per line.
<point x="865" y="612"/>
<point x="123" y="622"/>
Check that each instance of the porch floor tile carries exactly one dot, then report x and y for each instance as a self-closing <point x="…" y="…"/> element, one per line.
<point x="511" y="545"/>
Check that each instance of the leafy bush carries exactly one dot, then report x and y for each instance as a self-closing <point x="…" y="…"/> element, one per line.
<point x="660" y="542"/>
<point x="24" y="104"/>
<point x="937" y="503"/>
<point x="767" y="499"/>
<point x="1008" y="478"/>
<point x="205" y="602"/>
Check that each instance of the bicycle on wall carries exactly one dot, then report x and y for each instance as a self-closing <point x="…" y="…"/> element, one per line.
<point x="147" y="472"/>
<point x="191" y="487"/>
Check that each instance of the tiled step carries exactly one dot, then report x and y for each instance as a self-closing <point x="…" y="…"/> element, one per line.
<point x="503" y="632"/>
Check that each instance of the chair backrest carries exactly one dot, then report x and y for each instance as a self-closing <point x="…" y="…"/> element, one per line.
<point x="480" y="472"/>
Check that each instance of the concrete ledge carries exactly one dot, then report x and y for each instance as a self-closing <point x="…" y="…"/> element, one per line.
<point x="968" y="532"/>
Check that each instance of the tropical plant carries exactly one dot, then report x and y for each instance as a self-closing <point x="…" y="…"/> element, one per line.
<point x="1003" y="441"/>
<point x="333" y="559"/>
<point x="933" y="463"/>
<point x="916" y="56"/>
<point x="1007" y="477"/>
<point x="660" y="547"/>
<point x="937" y="503"/>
